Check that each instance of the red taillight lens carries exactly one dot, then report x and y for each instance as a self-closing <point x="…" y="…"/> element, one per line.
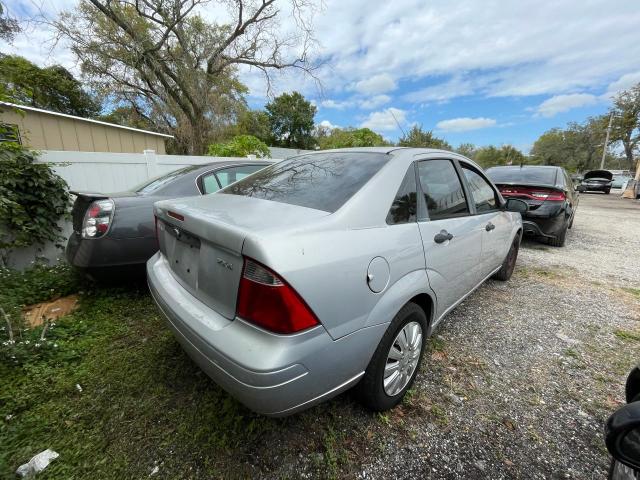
<point x="268" y="301"/>
<point x="98" y="218"/>
<point x="532" y="193"/>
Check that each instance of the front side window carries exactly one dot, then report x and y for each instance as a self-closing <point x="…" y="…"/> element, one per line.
<point x="323" y="181"/>
<point x="484" y="196"/>
<point x="404" y="207"/>
<point x="443" y="193"/>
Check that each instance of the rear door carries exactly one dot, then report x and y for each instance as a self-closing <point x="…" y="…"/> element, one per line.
<point x="497" y="223"/>
<point x="451" y="236"/>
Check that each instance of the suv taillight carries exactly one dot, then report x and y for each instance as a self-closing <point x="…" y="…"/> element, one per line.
<point x="266" y="300"/>
<point x="98" y="218"/>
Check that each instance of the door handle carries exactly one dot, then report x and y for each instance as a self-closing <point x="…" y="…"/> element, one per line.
<point x="490" y="226"/>
<point x="442" y="237"/>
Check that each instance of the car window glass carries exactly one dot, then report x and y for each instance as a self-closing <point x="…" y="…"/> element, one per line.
<point x="323" y="181"/>
<point x="483" y="195"/>
<point x="404" y="207"/>
<point x="163" y="180"/>
<point x="533" y="175"/>
<point x="210" y="184"/>
<point x="229" y="175"/>
<point x="442" y="189"/>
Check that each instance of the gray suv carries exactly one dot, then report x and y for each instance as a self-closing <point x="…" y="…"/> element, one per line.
<point x="328" y="271"/>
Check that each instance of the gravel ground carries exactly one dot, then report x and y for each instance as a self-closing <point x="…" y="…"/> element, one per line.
<point x="517" y="382"/>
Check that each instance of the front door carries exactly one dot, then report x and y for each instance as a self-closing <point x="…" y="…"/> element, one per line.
<point x="496" y="224"/>
<point x="451" y="236"/>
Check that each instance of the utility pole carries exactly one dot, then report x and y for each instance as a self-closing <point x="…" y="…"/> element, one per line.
<point x="606" y="142"/>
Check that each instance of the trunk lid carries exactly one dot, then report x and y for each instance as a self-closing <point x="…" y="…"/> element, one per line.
<point x="528" y="193"/>
<point x="202" y="240"/>
<point x="605" y="175"/>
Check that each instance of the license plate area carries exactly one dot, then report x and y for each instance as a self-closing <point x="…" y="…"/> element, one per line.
<point x="185" y="256"/>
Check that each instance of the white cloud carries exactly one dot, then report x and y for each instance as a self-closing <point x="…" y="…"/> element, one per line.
<point x="385" y="120"/>
<point x="623" y="83"/>
<point x="374" y="102"/>
<point x="380" y="83"/>
<point x="328" y="124"/>
<point x="338" y="105"/>
<point x="464" y="124"/>
<point x="563" y="103"/>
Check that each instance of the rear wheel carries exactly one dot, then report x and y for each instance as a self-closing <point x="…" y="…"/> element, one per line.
<point x="394" y="364"/>
<point x="509" y="264"/>
<point x="561" y="238"/>
<point x="607" y="191"/>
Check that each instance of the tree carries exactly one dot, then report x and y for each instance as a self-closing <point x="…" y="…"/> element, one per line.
<point x="350" y="137"/>
<point x="177" y="68"/>
<point x="240" y="146"/>
<point x="291" y="120"/>
<point x="256" y="123"/>
<point x="417" y="137"/>
<point x="505" y="155"/>
<point x="9" y="26"/>
<point x="469" y="150"/>
<point x="52" y="88"/>
<point x="126" y="116"/>
<point x="626" y="124"/>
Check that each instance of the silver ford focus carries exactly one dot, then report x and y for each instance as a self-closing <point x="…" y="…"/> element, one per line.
<point x="328" y="271"/>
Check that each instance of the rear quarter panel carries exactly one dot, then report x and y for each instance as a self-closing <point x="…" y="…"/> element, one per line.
<point x="328" y="268"/>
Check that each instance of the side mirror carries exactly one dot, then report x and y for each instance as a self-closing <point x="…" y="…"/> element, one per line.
<point x="516" y="205"/>
<point x="622" y="435"/>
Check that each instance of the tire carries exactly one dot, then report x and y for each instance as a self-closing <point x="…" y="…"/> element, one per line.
<point x="509" y="264"/>
<point x="561" y="238"/>
<point x="371" y="389"/>
<point x="572" y="217"/>
<point x="607" y="191"/>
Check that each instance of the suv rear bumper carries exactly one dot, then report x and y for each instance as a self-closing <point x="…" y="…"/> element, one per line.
<point x="272" y="374"/>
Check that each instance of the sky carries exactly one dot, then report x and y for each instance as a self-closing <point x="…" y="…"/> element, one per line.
<point x="485" y="72"/>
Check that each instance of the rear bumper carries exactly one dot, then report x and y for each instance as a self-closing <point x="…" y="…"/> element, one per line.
<point x="274" y="375"/>
<point x="108" y="252"/>
<point x="545" y="221"/>
<point x="594" y="188"/>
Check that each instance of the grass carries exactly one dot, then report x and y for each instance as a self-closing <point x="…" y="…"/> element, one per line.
<point x="633" y="291"/>
<point x="141" y="403"/>
<point x="627" y="335"/>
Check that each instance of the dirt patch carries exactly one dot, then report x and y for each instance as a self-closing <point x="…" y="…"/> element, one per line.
<point x="35" y="315"/>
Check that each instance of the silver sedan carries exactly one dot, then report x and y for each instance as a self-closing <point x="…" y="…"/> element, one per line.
<point x="328" y="271"/>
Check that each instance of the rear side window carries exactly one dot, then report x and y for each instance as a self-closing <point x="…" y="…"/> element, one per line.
<point x="227" y="176"/>
<point x="484" y="196"/>
<point x="323" y="181"/>
<point x="405" y="206"/>
<point x="443" y="193"/>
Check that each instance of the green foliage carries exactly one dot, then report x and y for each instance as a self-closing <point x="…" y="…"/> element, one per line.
<point x="291" y="121"/>
<point x="240" y="146"/>
<point x="255" y="123"/>
<point x="127" y="116"/>
<point x="32" y="200"/>
<point x="576" y="148"/>
<point x="51" y="88"/>
<point x="350" y="137"/>
<point x="626" y="125"/>
<point x="469" y="150"/>
<point x="417" y="137"/>
<point x="505" y="155"/>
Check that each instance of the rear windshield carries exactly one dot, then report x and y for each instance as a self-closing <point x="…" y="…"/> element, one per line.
<point x="321" y="181"/>
<point x="542" y="176"/>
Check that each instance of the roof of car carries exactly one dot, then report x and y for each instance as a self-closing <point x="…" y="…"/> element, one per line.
<point x="555" y="167"/>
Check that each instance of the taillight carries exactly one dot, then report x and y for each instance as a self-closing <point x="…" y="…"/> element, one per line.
<point x="533" y="193"/>
<point x="98" y="218"/>
<point x="266" y="300"/>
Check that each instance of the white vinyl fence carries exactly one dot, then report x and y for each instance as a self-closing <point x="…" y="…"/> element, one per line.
<point x="103" y="173"/>
<point x="116" y="172"/>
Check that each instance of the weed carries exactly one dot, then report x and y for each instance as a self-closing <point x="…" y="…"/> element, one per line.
<point x="626" y="335"/>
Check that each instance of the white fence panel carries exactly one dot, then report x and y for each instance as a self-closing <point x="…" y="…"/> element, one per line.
<point x="116" y="172"/>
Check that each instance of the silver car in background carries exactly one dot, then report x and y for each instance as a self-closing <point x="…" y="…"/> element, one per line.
<point x="328" y="271"/>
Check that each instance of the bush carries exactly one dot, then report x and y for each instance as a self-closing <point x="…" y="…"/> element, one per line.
<point x="240" y="146"/>
<point x="32" y="200"/>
